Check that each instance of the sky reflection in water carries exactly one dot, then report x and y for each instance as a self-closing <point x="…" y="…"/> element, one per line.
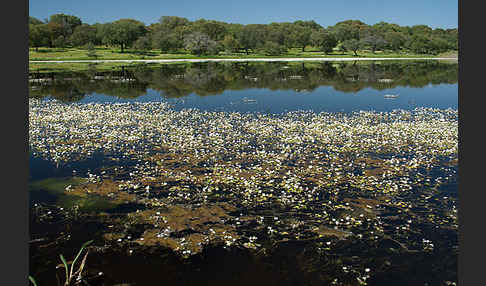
<point x="323" y="99"/>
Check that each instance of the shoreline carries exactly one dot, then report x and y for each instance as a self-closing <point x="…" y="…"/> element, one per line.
<point x="237" y="60"/>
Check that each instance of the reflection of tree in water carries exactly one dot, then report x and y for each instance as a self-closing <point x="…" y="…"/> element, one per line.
<point x="206" y="79"/>
<point x="125" y="90"/>
<point x="126" y="86"/>
<point x="172" y="88"/>
<point x="178" y="80"/>
<point x="62" y="91"/>
<point x="67" y="93"/>
<point x="168" y="79"/>
<point x="73" y="86"/>
<point x="199" y="75"/>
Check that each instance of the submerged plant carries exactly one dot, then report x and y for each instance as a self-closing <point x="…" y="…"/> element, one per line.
<point x="32" y="280"/>
<point x="70" y="276"/>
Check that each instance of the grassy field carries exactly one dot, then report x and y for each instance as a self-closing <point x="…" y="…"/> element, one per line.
<point x="74" y="67"/>
<point x="110" y="53"/>
<point x="103" y="53"/>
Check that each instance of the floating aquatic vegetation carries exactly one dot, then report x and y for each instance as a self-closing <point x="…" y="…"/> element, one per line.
<point x="256" y="180"/>
<point x="106" y="188"/>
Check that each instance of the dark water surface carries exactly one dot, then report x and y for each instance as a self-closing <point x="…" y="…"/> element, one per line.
<point x="303" y="216"/>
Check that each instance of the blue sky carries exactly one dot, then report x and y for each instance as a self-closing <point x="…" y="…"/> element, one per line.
<point x="434" y="13"/>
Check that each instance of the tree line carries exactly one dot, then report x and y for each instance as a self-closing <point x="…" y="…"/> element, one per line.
<point x="173" y="34"/>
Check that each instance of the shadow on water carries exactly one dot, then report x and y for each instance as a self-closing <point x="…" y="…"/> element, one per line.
<point x="292" y="263"/>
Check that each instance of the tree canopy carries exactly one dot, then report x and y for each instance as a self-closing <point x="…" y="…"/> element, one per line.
<point x="124" y="32"/>
<point x="173" y="33"/>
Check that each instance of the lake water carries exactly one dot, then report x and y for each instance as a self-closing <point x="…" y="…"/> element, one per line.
<point x="263" y="173"/>
<point x="269" y="87"/>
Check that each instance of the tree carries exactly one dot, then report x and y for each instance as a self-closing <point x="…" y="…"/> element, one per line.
<point x="343" y="33"/>
<point x="273" y="49"/>
<point x="67" y="23"/>
<point x="325" y="40"/>
<point x="395" y="40"/>
<point x="200" y="44"/>
<point x="352" y="45"/>
<point x="83" y="35"/>
<point x="373" y="41"/>
<point x="124" y="32"/>
<point x="438" y="45"/>
<point x="168" y="35"/>
<point x="100" y="33"/>
<point x="250" y="36"/>
<point x="35" y="21"/>
<point x="421" y="30"/>
<point x="214" y="29"/>
<point x="38" y="35"/>
<point x="349" y="29"/>
<point x="172" y="22"/>
<point x="230" y="44"/>
<point x="234" y="29"/>
<point x="166" y="42"/>
<point x="301" y="36"/>
<point x="278" y="33"/>
<point x="419" y="44"/>
<point x="451" y="35"/>
<point x="143" y="43"/>
<point x="308" y="24"/>
<point x="59" y="42"/>
<point x="382" y="28"/>
<point x="55" y="31"/>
